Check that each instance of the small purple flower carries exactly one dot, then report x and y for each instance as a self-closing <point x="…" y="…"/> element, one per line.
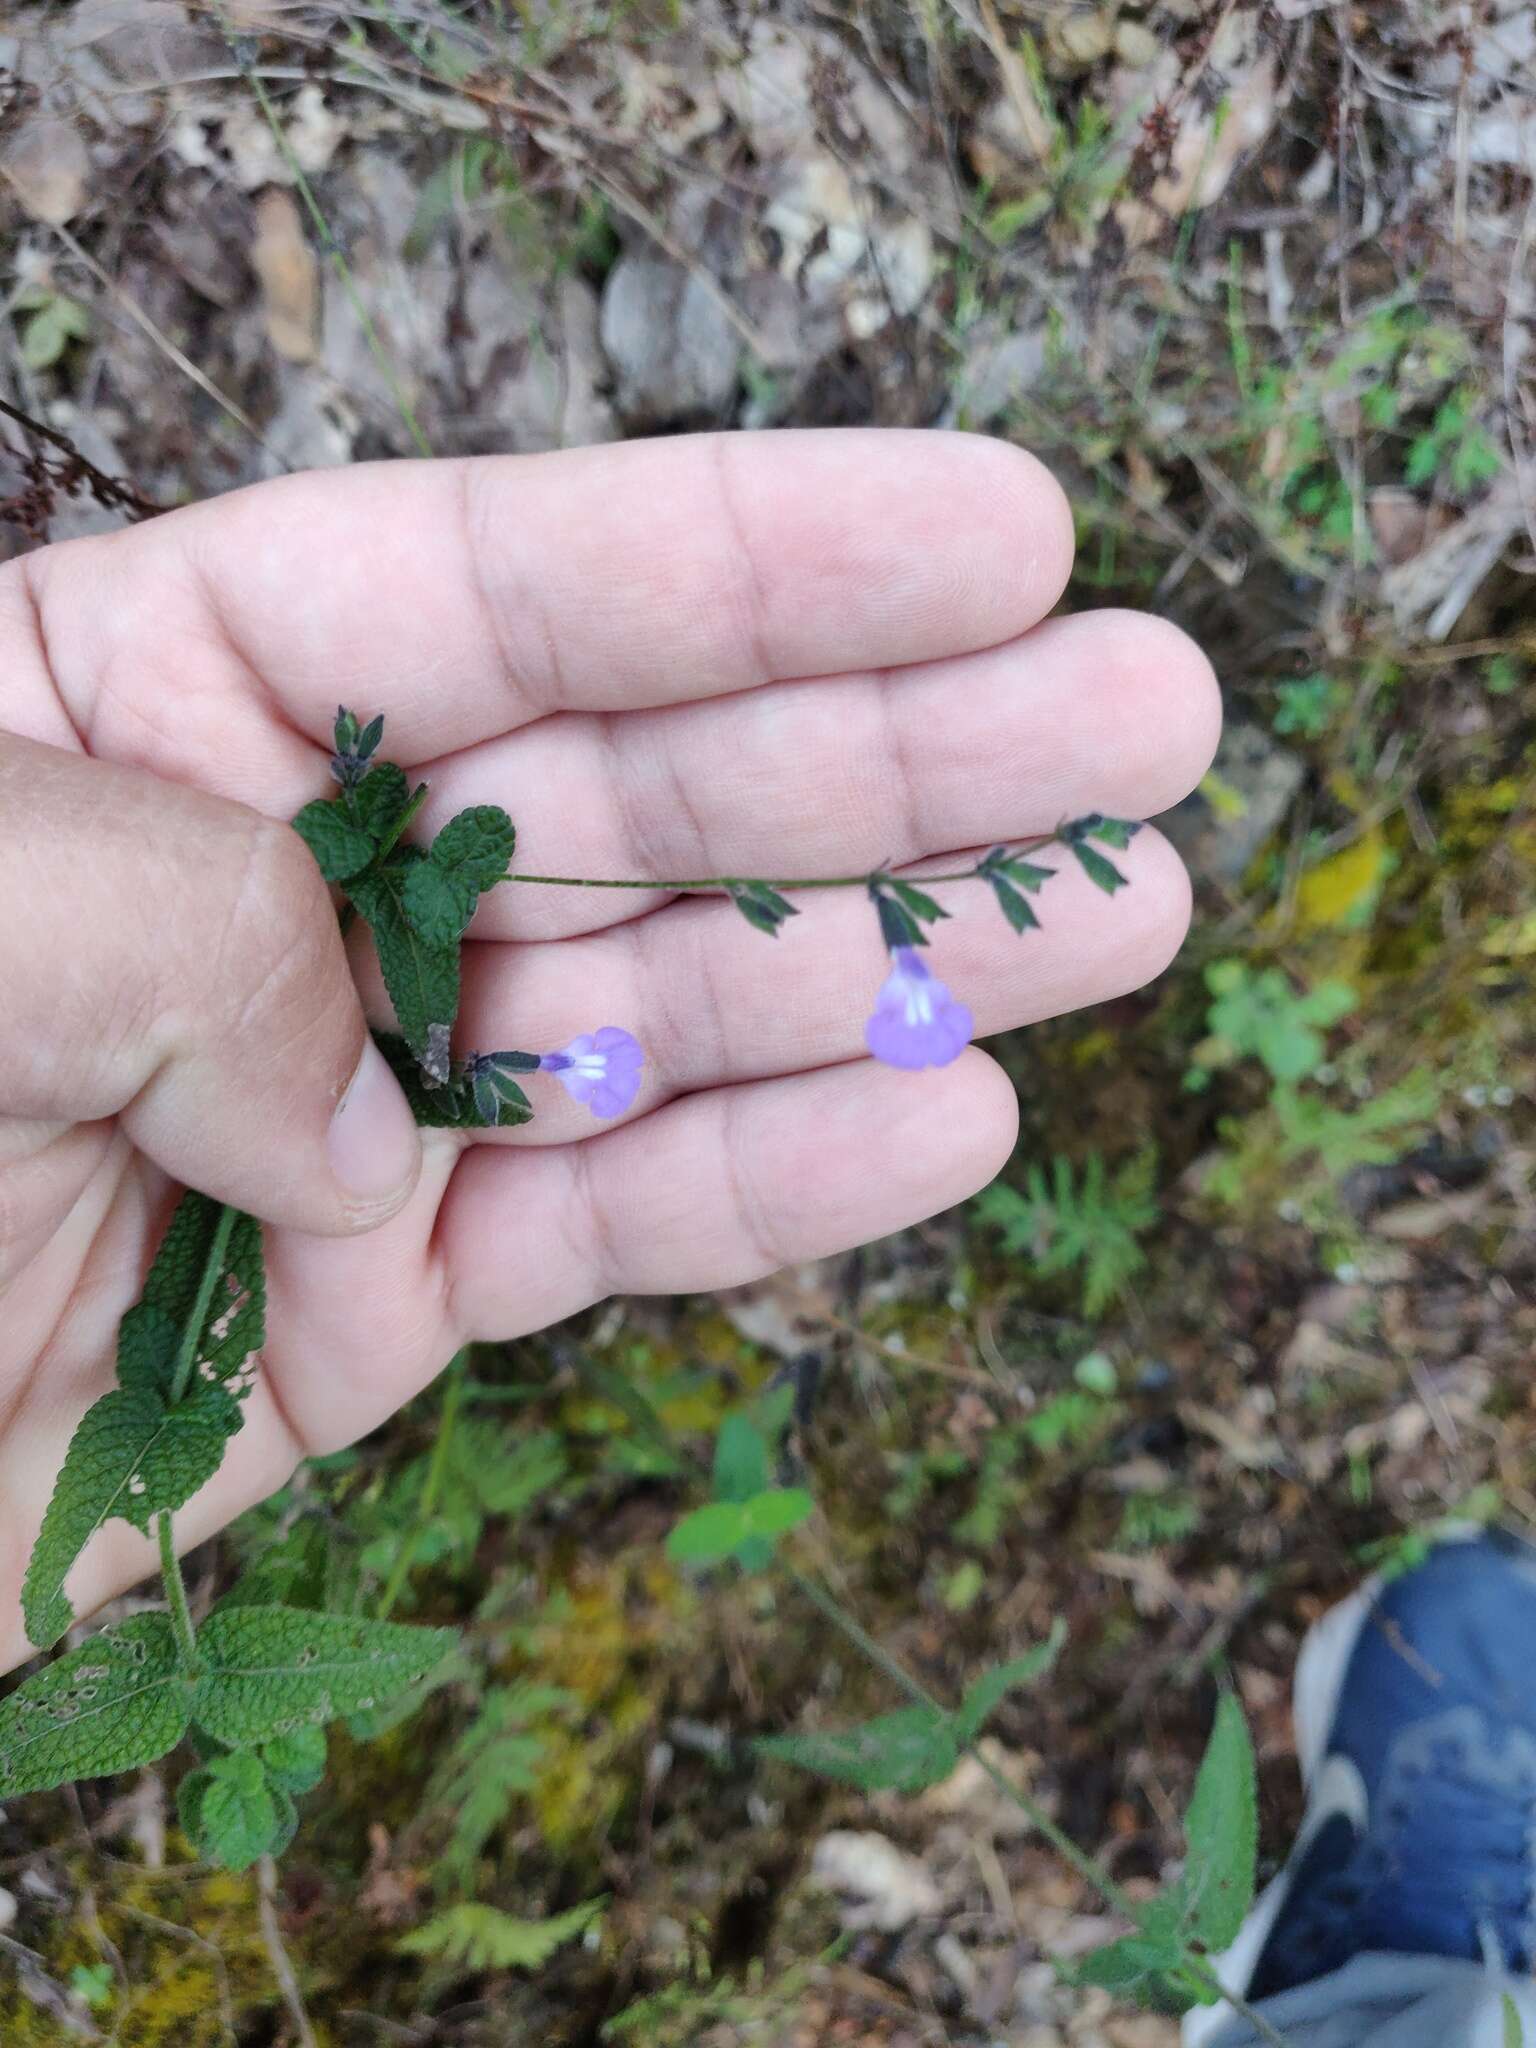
<point x="917" y="1022"/>
<point x="601" y="1069"/>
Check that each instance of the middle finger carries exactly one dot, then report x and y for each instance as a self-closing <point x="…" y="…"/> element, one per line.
<point x="1112" y="710"/>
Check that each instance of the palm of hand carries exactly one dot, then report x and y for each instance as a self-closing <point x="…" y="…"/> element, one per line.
<point x="750" y="655"/>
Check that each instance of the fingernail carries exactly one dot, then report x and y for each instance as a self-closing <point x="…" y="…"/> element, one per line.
<point x="372" y="1142"/>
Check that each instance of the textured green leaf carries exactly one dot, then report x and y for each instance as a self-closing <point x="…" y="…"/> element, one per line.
<point x="340" y="847"/>
<point x="472" y="853"/>
<point x="131" y="1458"/>
<point x="1514" y="2031"/>
<point x="296" y="1762"/>
<point x="147" y="1345"/>
<point x="233" y="1814"/>
<point x="905" y="1751"/>
<point x="990" y="1690"/>
<point x="439" y="904"/>
<point x="476" y="845"/>
<point x="1222" y="1827"/>
<point x="272" y="1670"/>
<point x="380" y="801"/>
<point x="479" y="1937"/>
<point x="234" y="1319"/>
<point x="422" y="979"/>
<point x="119" y="1701"/>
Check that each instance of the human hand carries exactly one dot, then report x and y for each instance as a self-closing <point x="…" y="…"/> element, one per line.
<point x="753" y="654"/>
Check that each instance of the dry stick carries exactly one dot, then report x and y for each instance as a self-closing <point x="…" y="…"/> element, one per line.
<point x="277" y="1954"/>
<point x="1515" y="401"/>
<point x="115" y="493"/>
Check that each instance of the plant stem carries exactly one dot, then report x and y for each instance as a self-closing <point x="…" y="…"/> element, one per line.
<point x="697" y="884"/>
<point x="176" y="1592"/>
<point x="431" y="1486"/>
<point x="218" y="1251"/>
<point x="1079" y="1860"/>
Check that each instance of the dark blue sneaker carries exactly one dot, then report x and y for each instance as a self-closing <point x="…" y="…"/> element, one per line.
<point x="1416" y="1733"/>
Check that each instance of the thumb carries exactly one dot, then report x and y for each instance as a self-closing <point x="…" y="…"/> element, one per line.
<point x="174" y="960"/>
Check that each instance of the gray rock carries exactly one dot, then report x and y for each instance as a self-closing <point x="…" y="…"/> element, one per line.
<point x="1252" y="783"/>
<point x="674" y="352"/>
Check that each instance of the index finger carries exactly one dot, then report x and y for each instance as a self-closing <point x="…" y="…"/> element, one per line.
<point x="464" y="599"/>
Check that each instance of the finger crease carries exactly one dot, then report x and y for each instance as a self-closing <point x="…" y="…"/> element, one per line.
<point x="893" y="735"/>
<point x="537" y="700"/>
<point x="749" y="581"/>
<point x="749" y="1211"/>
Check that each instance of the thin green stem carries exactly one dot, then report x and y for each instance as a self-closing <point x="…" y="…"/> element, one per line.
<point x="176" y="1592"/>
<point x="698" y="884"/>
<point x="431" y="1486"/>
<point x="1077" y="1858"/>
<point x="213" y="1266"/>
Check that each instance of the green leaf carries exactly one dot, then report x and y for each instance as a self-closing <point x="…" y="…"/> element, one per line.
<point x="709" y="1534"/>
<point x="477" y="846"/>
<point x="380" y="801"/>
<point x="296" y="1761"/>
<point x="986" y="1695"/>
<point x="1110" y="831"/>
<point x="1092" y="1225"/>
<point x="340" y="848"/>
<point x="1222" y="1827"/>
<point x="1514" y="2031"/>
<point x="1101" y="872"/>
<point x="472" y="853"/>
<point x="272" y="1670"/>
<point x="777" y="1511"/>
<point x="478" y="1937"/>
<point x="234" y="1318"/>
<point x="232" y="1814"/>
<point x="438" y="904"/>
<point x="762" y="907"/>
<point x="148" y="1342"/>
<point x="131" y="1458"/>
<point x="1125" y="1965"/>
<point x="422" y="978"/>
<point x="741" y="1459"/>
<point x="922" y="906"/>
<point x="119" y="1701"/>
<point x="903" y="911"/>
<point x="1013" y="905"/>
<point x="497" y="1098"/>
<point x="493" y="1763"/>
<point x="905" y="1751"/>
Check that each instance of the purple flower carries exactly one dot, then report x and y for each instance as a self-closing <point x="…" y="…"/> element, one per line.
<point x="917" y="1022"/>
<point x="601" y="1069"/>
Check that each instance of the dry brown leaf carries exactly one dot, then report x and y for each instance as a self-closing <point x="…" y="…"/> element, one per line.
<point x="49" y="168"/>
<point x="289" y="276"/>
